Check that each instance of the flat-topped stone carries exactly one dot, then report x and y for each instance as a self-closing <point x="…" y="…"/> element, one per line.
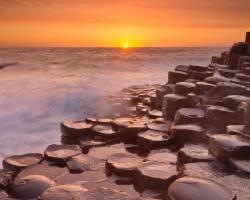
<point x="216" y="79"/>
<point x="122" y="164"/>
<point x="189" y="115"/>
<point x="65" y="192"/>
<point x="156" y="126"/>
<point x="61" y="153"/>
<point x="163" y="156"/>
<point x="105" y="132"/>
<point x="242" y="77"/>
<point x="155" y="114"/>
<point x="87" y="144"/>
<point x="188" y="133"/>
<point x="199" y="75"/>
<point x="122" y="121"/>
<point x="172" y="103"/>
<point x="194" y="153"/>
<point x="75" y="128"/>
<point x="30" y="187"/>
<point x="204" y="87"/>
<point x="182" y="68"/>
<point x="228" y="88"/>
<point x="190" y="188"/>
<point x="183" y="88"/>
<point x="220" y="117"/>
<point x="104" y="120"/>
<point x="152" y="139"/>
<point x="176" y="76"/>
<point x="155" y="175"/>
<point x="233" y="101"/>
<point x="19" y="162"/>
<point x="81" y="163"/>
<point x="198" y="68"/>
<point x="225" y="146"/>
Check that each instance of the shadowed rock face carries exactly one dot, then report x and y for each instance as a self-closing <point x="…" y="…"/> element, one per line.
<point x="240" y="165"/>
<point x="190" y="188"/>
<point x="61" y="153"/>
<point x="19" y="162"/>
<point x="183" y="88"/>
<point x="6" y="178"/>
<point x="30" y="187"/>
<point x="225" y="146"/>
<point x="3" y="195"/>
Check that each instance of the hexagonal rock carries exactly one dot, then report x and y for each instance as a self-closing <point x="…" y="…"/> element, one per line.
<point x="122" y="122"/>
<point x="172" y="103"/>
<point x="80" y="163"/>
<point x="188" y="133"/>
<point x="162" y="127"/>
<point x="61" y="153"/>
<point x="227" y="88"/>
<point x="65" y="192"/>
<point x="106" y="132"/>
<point x="220" y="117"/>
<point x="182" y="68"/>
<point x="30" y="187"/>
<point x="107" y="194"/>
<point x="240" y="165"/>
<point x="189" y="115"/>
<point x="75" y="128"/>
<point x="194" y="153"/>
<point x="163" y="156"/>
<point x="198" y="68"/>
<point x="204" y="87"/>
<point x="234" y="101"/>
<point x="19" y="162"/>
<point x="228" y="146"/>
<point x="183" y="88"/>
<point x="122" y="164"/>
<point x="176" y="76"/>
<point x="155" y="114"/>
<point x="190" y="188"/>
<point x="152" y="139"/>
<point x="155" y="175"/>
<point x="6" y="178"/>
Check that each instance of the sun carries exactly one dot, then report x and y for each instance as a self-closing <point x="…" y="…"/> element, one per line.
<point x="125" y="45"/>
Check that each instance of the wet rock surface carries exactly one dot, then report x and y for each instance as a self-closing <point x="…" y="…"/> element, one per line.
<point x="61" y="153"/>
<point x="189" y="188"/>
<point x="19" y="162"/>
<point x="186" y="139"/>
<point x="30" y="187"/>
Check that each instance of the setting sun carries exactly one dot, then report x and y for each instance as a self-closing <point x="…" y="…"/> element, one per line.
<point x="125" y="45"/>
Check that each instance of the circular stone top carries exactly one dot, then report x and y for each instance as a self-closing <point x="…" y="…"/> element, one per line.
<point x="155" y="113"/>
<point x="156" y="170"/>
<point x="122" y="121"/>
<point x="65" y="192"/>
<point x="153" y="135"/>
<point x="18" y="162"/>
<point x="30" y="187"/>
<point x="190" y="188"/>
<point x="79" y="125"/>
<point x="192" y="112"/>
<point x="123" y="164"/>
<point x="63" y="152"/>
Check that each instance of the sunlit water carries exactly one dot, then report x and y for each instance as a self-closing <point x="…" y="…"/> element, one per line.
<point x="42" y="87"/>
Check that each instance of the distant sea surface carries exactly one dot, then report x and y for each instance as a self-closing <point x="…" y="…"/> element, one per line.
<point x="40" y="87"/>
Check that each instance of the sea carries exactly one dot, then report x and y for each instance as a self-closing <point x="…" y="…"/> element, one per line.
<point x="41" y="87"/>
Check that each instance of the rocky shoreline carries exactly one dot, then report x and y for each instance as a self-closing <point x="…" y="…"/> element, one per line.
<point x="184" y="140"/>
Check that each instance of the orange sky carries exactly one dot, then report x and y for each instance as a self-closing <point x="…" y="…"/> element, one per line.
<point x="113" y="22"/>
